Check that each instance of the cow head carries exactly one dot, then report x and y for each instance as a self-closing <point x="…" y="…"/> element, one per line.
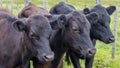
<point x="101" y="29"/>
<point x="62" y="8"/>
<point x="76" y="33"/>
<point x="37" y="29"/>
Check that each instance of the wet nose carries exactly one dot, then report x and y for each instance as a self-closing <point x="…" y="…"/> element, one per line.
<point x="91" y="52"/>
<point x="111" y="39"/>
<point x="49" y="57"/>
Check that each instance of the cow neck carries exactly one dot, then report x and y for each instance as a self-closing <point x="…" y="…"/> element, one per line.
<point x="61" y="31"/>
<point x="63" y="47"/>
<point x="64" y="44"/>
<point x="60" y="50"/>
<point x="93" y="39"/>
<point x="54" y="32"/>
<point x="56" y="41"/>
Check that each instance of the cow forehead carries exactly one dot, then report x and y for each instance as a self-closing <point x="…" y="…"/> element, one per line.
<point x="41" y="30"/>
<point x="38" y="22"/>
<point x="80" y="19"/>
<point x="38" y="19"/>
<point x="103" y="14"/>
<point x="100" y="10"/>
<point x="80" y="16"/>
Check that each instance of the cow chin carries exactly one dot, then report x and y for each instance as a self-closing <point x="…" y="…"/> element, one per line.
<point x="42" y="60"/>
<point x="105" y="41"/>
<point x="82" y="56"/>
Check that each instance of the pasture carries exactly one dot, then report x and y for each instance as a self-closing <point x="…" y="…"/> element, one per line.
<point x="103" y="58"/>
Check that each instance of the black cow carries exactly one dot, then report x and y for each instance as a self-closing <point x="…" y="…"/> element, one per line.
<point x="74" y="35"/>
<point x="21" y="39"/>
<point x="100" y="29"/>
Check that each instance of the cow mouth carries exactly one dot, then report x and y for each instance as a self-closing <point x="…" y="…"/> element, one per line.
<point x="107" y="40"/>
<point x="45" y="59"/>
<point x="40" y="60"/>
<point x="85" y="56"/>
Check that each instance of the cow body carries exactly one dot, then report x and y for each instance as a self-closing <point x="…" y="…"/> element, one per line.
<point x="18" y="44"/>
<point x="4" y="10"/>
<point x="100" y="29"/>
<point x="10" y="48"/>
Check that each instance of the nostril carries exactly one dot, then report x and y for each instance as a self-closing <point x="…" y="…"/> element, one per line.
<point x="91" y="52"/>
<point x="111" y="39"/>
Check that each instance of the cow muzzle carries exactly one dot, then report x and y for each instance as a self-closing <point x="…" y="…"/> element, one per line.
<point x="110" y="39"/>
<point x="91" y="52"/>
<point x="46" y="58"/>
<point x="49" y="57"/>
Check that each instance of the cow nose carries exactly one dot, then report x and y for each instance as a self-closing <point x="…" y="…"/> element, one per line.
<point x="111" y="39"/>
<point x="91" y="52"/>
<point x="49" y="57"/>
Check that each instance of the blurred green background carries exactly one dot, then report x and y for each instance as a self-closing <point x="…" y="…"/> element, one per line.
<point x="103" y="58"/>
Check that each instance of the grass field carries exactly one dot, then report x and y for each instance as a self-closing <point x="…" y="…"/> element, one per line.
<point x="103" y="57"/>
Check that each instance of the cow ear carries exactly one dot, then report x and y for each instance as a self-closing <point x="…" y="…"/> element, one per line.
<point x="92" y="17"/>
<point x="53" y="21"/>
<point x="19" y="25"/>
<point x="48" y="16"/>
<point x="86" y="11"/>
<point x="62" y="21"/>
<point x="110" y="9"/>
<point x="56" y="21"/>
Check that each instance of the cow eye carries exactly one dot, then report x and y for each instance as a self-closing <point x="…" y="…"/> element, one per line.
<point x="34" y="36"/>
<point x="74" y="29"/>
<point x="102" y="24"/>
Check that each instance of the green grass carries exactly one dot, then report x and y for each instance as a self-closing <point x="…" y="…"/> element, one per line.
<point x="103" y="58"/>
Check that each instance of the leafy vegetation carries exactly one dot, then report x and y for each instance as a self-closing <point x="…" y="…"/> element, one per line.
<point x="103" y="58"/>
